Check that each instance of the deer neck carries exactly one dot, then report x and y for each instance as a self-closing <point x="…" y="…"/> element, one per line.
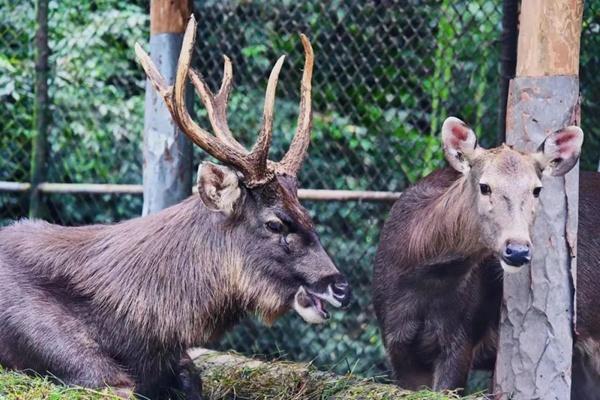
<point x="205" y="258"/>
<point x="446" y="227"/>
<point x="169" y="273"/>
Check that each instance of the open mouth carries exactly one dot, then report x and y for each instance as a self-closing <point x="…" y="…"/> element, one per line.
<point x="312" y="306"/>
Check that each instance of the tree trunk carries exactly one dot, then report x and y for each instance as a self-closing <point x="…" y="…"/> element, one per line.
<point x="536" y="333"/>
<point x="167" y="151"/>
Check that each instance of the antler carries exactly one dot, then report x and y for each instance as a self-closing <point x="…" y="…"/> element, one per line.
<point x="216" y="105"/>
<point x="292" y="161"/>
<point x="253" y="165"/>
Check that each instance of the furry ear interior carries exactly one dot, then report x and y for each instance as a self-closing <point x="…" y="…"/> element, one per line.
<point x="460" y="144"/>
<point x="219" y="187"/>
<point x="560" y="151"/>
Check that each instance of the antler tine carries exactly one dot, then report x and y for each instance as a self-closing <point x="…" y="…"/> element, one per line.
<point x="254" y="166"/>
<point x="260" y="150"/>
<point x="211" y="144"/>
<point x="216" y="105"/>
<point x="156" y="79"/>
<point x="174" y="97"/>
<point x="292" y="161"/>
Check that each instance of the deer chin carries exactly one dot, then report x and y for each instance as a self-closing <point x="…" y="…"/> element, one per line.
<point x="511" y="269"/>
<point x="311" y="306"/>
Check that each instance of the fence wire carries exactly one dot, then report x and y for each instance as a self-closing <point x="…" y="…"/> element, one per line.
<point x="386" y="75"/>
<point x="17" y="78"/>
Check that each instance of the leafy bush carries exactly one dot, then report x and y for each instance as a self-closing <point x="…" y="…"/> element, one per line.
<point x="386" y="75"/>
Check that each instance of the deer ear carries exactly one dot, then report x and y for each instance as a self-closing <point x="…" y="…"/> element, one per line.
<point x="560" y="151"/>
<point x="219" y="187"/>
<point x="460" y="144"/>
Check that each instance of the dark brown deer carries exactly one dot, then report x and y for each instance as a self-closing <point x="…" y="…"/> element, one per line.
<point x="437" y="282"/>
<point x="119" y="304"/>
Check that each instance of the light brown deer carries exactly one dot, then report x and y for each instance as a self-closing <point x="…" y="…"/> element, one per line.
<point x="119" y="304"/>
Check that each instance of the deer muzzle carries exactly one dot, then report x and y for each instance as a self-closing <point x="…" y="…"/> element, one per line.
<point x="310" y="302"/>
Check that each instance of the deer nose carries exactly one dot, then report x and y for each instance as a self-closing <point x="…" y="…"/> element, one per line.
<point x="516" y="254"/>
<point x="341" y="290"/>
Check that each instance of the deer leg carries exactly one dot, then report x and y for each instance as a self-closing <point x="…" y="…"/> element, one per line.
<point x="452" y="367"/>
<point x="188" y="381"/>
<point x="43" y="336"/>
<point x="586" y="371"/>
<point x="408" y="372"/>
<point x="171" y="376"/>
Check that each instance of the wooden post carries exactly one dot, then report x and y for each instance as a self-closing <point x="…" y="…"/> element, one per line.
<point x="536" y="333"/>
<point x="167" y="152"/>
<point x="39" y="145"/>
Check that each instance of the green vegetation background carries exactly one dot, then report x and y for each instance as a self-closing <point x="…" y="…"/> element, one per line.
<point x="387" y="74"/>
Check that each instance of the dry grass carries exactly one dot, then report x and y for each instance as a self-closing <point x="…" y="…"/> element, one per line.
<point x="18" y="386"/>
<point x="231" y="376"/>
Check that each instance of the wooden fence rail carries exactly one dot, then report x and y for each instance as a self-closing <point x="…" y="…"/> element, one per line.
<point x="107" y="188"/>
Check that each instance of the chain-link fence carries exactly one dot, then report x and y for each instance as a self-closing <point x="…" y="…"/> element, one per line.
<point x="386" y="74"/>
<point x="590" y="85"/>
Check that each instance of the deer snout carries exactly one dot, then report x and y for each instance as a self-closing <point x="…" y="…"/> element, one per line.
<point x="342" y="291"/>
<point x="334" y="289"/>
<point x="516" y="254"/>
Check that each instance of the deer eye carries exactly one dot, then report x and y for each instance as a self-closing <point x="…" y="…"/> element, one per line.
<point x="485" y="189"/>
<point x="275" y="226"/>
<point x="536" y="191"/>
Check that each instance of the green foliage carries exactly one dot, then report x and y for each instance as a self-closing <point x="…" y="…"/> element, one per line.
<point x="17" y="77"/>
<point x="17" y="21"/>
<point x="386" y="76"/>
<point x="95" y="91"/>
<point x="375" y="99"/>
<point x="17" y="386"/>
<point x="236" y="378"/>
<point x="97" y="102"/>
<point x="227" y="376"/>
<point x="590" y="82"/>
<point x="96" y="105"/>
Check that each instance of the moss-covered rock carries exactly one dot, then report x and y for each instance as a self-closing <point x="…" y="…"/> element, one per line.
<point x="232" y="376"/>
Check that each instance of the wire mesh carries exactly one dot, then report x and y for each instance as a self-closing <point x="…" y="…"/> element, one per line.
<point x="386" y="74"/>
<point x="17" y="77"/>
<point x="589" y="84"/>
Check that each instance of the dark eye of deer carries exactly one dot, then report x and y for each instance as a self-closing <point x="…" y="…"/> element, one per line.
<point x="485" y="189"/>
<point x="536" y="191"/>
<point x="275" y="226"/>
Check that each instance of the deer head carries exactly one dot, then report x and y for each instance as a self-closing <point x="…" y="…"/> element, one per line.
<point x="282" y="258"/>
<point x="503" y="185"/>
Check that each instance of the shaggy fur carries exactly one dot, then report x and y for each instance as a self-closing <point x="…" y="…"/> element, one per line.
<point x="119" y="304"/>
<point x="437" y="291"/>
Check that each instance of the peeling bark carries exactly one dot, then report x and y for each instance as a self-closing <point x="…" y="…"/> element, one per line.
<point x="536" y="335"/>
<point x="549" y="37"/>
<point x="167" y="152"/>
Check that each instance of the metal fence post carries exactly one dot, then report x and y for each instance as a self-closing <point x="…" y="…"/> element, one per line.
<point x="167" y="152"/>
<point x="39" y="145"/>
<point x="536" y="334"/>
<point x="508" y="59"/>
